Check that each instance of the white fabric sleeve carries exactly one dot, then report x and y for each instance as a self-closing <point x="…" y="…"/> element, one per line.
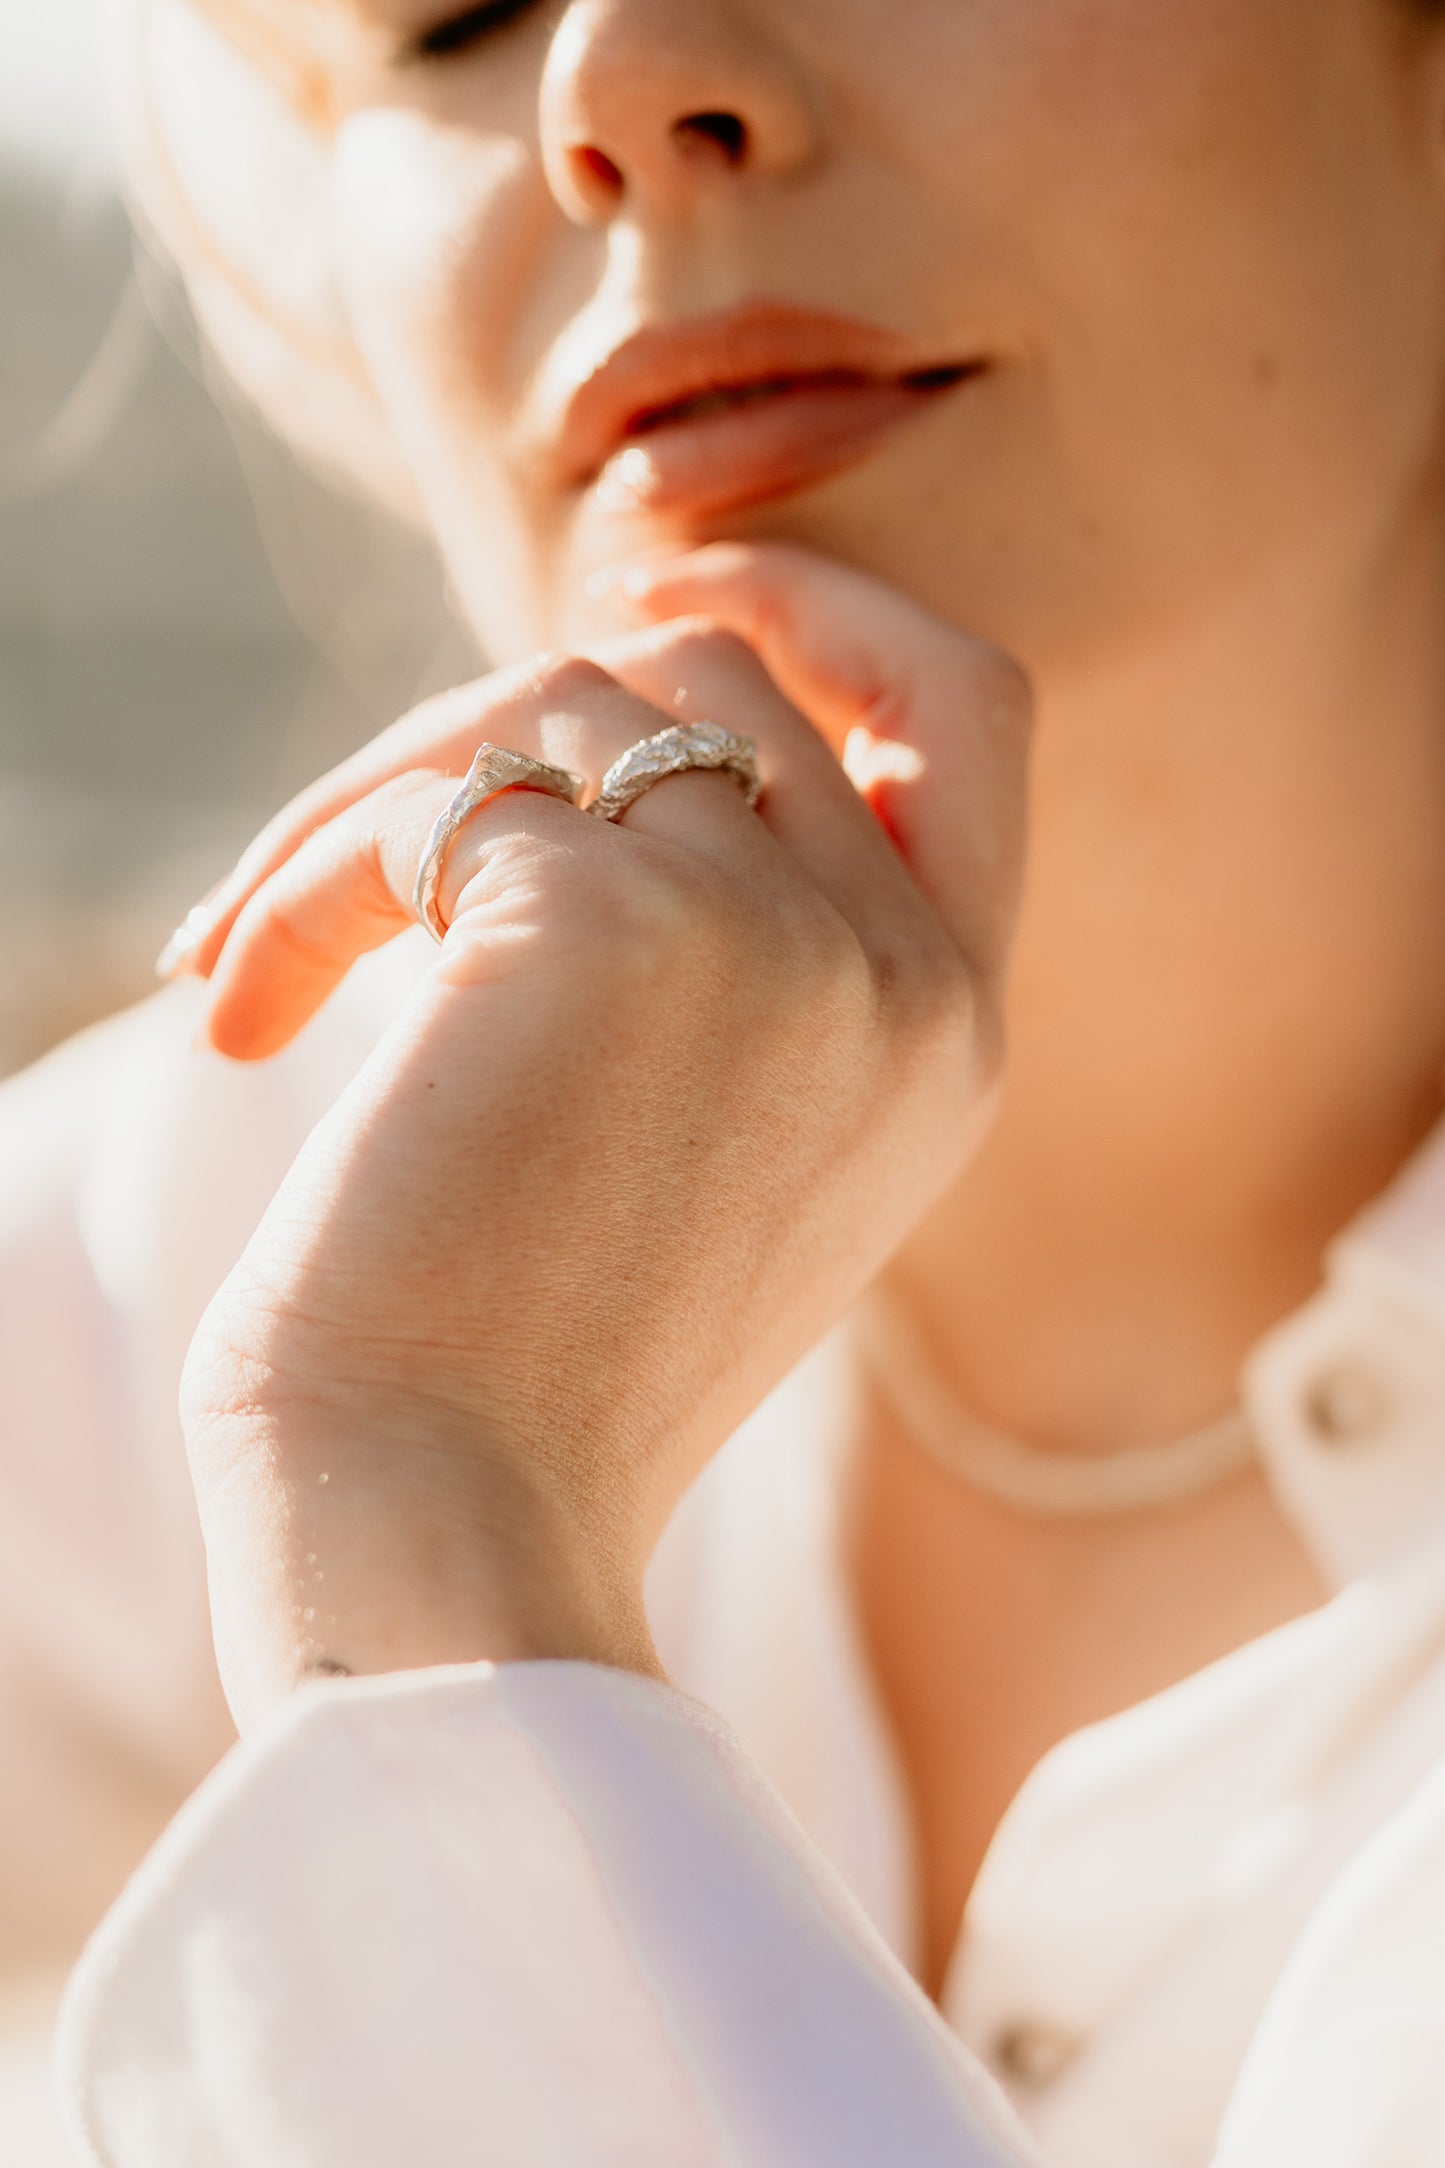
<point x="1347" y="2068"/>
<point x="109" y="1709"/>
<point x="132" y="1175"/>
<point x="537" y="1914"/>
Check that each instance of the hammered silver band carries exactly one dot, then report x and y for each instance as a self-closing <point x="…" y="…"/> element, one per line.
<point x="671" y="752"/>
<point x="495" y="769"/>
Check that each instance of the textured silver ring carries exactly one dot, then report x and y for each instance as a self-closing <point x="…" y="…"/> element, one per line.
<point x="495" y="769"/>
<point x="671" y="752"/>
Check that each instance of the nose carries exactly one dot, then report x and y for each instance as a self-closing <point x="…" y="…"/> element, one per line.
<point x="654" y="105"/>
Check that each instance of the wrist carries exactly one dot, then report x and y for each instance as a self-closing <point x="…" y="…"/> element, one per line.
<point x="335" y="1556"/>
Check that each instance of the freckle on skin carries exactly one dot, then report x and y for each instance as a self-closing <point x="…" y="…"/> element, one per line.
<point x="1265" y="370"/>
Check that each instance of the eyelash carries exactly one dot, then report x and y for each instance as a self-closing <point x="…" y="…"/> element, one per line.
<point x="459" y="32"/>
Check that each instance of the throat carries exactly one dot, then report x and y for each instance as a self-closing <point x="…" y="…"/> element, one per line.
<point x="993" y="1636"/>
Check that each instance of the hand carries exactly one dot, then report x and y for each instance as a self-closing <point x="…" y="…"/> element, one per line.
<point x="670" y="1095"/>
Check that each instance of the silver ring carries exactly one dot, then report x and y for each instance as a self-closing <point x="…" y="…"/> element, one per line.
<point x="670" y="752"/>
<point x="494" y="769"/>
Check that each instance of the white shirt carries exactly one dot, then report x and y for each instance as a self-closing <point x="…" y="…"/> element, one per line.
<point x="551" y="1914"/>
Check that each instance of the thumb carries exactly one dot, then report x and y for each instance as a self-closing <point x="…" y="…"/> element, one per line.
<point x="931" y="723"/>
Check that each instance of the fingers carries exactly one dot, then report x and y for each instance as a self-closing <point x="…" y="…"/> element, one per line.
<point x="321" y="887"/>
<point x="316" y="893"/>
<point x="347" y="886"/>
<point x="534" y="710"/>
<point x="933" y="725"/>
<point x="343" y="891"/>
<point x="809" y="805"/>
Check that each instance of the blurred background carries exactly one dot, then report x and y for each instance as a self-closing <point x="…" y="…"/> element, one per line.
<point x="190" y="626"/>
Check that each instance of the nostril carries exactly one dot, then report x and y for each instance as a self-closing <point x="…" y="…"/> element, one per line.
<point x="714" y="131"/>
<point x="596" y="172"/>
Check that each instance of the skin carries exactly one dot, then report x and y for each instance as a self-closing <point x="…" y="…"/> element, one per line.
<point x="1197" y="495"/>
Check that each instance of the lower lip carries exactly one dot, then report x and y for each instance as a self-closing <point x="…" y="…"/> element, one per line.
<point x="759" y="450"/>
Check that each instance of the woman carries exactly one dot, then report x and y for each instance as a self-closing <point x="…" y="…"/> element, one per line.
<point x="789" y="370"/>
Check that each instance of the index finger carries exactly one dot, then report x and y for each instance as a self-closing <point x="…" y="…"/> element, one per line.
<point x="512" y="708"/>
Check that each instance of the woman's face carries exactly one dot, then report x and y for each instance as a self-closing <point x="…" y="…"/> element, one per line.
<point x="1075" y="317"/>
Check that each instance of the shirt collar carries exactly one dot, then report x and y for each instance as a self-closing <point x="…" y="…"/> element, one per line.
<point x="1347" y="1396"/>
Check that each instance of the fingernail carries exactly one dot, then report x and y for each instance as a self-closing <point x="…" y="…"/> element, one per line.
<point x="632" y="580"/>
<point x="625" y="479"/>
<point x="175" y="958"/>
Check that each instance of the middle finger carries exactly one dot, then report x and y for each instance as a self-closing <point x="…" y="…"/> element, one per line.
<point x="348" y="885"/>
<point x="528" y="709"/>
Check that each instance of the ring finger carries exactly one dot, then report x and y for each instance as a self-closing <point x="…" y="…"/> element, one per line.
<point x="545" y="711"/>
<point x="348" y="885"/>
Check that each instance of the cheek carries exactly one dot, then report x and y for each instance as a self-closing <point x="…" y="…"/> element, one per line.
<point x="1217" y="248"/>
<point x="437" y="234"/>
<point x="441" y="237"/>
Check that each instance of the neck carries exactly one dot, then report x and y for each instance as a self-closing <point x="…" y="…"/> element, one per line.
<point x="1227" y="1013"/>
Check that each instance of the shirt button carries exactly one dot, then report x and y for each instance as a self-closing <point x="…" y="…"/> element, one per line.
<point x="1032" y="2055"/>
<point x="1345" y="1406"/>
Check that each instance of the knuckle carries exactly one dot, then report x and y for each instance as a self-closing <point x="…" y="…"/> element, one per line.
<point x="945" y="1017"/>
<point x="397" y="801"/>
<point x="399" y="792"/>
<point x="565" y="679"/>
<point x="824" y="950"/>
<point x="709" y="650"/>
<point x="291" y="928"/>
<point x="968" y="1036"/>
<point x="500" y="862"/>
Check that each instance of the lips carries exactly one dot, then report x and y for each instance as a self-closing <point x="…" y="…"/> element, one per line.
<point x="733" y="410"/>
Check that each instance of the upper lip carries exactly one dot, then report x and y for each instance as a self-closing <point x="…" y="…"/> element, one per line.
<point x="593" y="406"/>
